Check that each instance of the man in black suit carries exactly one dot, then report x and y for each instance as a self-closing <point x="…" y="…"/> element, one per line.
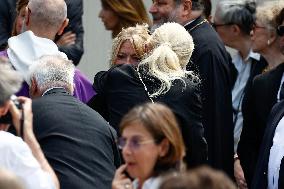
<point x="78" y="143"/>
<point x="211" y="62"/>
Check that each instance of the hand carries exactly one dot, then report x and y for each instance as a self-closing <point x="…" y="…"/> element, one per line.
<point x="239" y="175"/>
<point x="120" y="180"/>
<point x="67" y="39"/>
<point x="17" y="115"/>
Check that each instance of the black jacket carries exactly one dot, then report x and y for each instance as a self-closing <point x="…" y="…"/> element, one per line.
<point x="259" y="102"/>
<point x="260" y="180"/>
<point x="7" y="17"/>
<point x="74" y="14"/>
<point x="120" y="89"/>
<point x="77" y="142"/>
<point x="211" y="61"/>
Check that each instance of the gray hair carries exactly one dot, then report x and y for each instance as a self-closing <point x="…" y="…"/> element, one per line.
<point x="266" y="13"/>
<point x="53" y="71"/>
<point x="10" y="81"/>
<point x="172" y="47"/>
<point x="239" y="12"/>
<point x="48" y="13"/>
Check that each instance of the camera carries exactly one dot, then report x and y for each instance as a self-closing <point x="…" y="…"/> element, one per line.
<point x="7" y="119"/>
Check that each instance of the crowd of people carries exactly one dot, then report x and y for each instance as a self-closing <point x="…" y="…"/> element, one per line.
<point x="175" y="109"/>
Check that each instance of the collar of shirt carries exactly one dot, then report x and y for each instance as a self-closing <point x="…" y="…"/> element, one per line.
<point x="189" y="22"/>
<point x="238" y="61"/>
<point x="44" y="93"/>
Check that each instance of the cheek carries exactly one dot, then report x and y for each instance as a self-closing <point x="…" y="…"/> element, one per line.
<point x="145" y="163"/>
<point x="19" y="24"/>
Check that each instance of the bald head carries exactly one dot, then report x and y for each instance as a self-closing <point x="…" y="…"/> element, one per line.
<point x="47" y="14"/>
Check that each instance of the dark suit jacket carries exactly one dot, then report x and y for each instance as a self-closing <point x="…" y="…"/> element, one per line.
<point x="7" y="16"/>
<point x="119" y="90"/>
<point x="74" y="14"/>
<point x="77" y="142"/>
<point x="262" y="96"/>
<point x="211" y="61"/>
<point x="260" y="178"/>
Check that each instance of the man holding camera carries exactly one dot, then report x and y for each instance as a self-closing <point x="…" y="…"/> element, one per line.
<point x="23" y="157"/>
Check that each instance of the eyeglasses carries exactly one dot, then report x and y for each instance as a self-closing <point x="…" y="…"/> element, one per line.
<point x="255" y="26"/>
<point x="280" y="30"/>
<point x="219" y="25"/>
<point x="134" y="142"/>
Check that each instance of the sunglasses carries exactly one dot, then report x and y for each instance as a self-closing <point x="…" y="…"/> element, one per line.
<point x="134" y="143"/>
<point x="280" y="30"/>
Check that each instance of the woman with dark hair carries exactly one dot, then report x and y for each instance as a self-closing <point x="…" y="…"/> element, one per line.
<point x="151" y="145"/>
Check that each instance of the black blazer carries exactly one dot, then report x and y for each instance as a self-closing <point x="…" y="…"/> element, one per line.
<point x="211" y="61"/>
<point x="260" y="178"/>
<point x="77" y="142"/>
<point x="120" y="89"/>
<point x="259" y="101"/>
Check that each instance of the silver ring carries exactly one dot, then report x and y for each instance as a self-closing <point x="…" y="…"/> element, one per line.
<point x="127" y="186"/>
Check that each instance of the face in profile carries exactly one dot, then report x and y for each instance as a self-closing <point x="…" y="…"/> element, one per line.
<point x="259" y="37"/>
<point x="126" y="54"/>
<point x="140" y="152"/>
<point x="20" y="20"/>
<point x="108" y="17"/>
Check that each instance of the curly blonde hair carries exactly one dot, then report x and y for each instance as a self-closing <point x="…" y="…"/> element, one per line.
<point x="137" y="35"/>
<point x="171" y="48"/>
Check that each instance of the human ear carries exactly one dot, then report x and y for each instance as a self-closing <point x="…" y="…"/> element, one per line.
<point x="164" y="147"/>
<point x="63" y="26"/>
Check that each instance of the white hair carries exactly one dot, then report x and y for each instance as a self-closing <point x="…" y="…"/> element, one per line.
<point x="53" y="71"/>
<point x="48" y="13"/>
<point x="172" y="47"/>
<point x="10" y="81"/>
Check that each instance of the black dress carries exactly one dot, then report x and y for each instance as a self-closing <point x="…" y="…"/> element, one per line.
<point x="211" y="61"/>
<point x="120" y="89"/>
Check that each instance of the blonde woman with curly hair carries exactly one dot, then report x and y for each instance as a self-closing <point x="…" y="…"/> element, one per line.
<point x="128" y="45"/>
<point x="118" y="14"/>
<point x="161" y="76"/>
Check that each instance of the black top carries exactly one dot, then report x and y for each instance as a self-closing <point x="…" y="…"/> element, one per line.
<point x="77" y="142"/>
<point x="120" y="89"/>
<point x="262" y="96"/>
<point x="75" y="15"/>
<point x="7" y="17"/>
<point x="210" y="59"/>
<point x="260" y="180"/>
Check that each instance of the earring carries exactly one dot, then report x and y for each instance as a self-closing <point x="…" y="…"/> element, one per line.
<point x="268" y="42"/>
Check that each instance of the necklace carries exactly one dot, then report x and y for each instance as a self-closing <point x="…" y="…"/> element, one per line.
<point x="145" y="87"/>
<point x="200" y="23"/>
